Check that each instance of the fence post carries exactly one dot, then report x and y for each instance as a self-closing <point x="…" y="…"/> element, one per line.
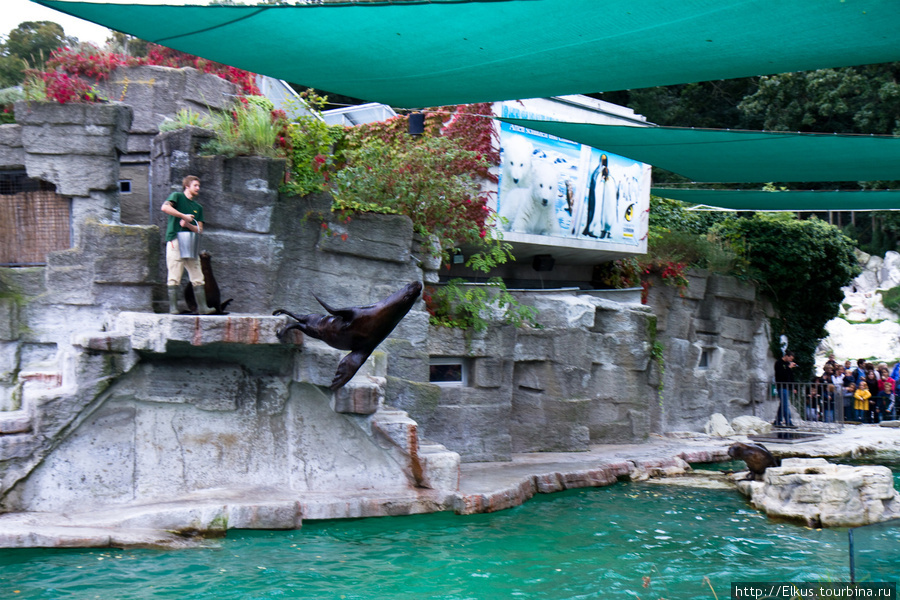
<point x="852" y="565"/>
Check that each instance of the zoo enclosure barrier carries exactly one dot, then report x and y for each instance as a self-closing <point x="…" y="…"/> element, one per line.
<point x="818" y="405"/>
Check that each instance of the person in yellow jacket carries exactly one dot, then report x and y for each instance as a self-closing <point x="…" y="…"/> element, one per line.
<point x="861" y="401"/>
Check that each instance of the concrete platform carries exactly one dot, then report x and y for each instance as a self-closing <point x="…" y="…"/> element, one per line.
<point x="483" y="487"/>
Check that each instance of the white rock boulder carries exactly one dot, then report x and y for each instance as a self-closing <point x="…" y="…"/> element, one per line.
<point x="718" y="426"/>
<point x="820" y="494"/>
<point x="750" y="425"/>
<point x="863" y="339"/>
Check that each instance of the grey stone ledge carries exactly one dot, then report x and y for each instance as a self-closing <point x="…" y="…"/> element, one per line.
<point x="151" y="332"/>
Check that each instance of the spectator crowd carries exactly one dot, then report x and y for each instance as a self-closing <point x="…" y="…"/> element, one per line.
<point x="862" y="394"/>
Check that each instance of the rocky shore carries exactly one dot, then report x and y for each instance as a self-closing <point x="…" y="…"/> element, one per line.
<point x="483" y="487"/>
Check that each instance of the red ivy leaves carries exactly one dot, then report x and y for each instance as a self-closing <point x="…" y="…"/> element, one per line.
<point x="65" y="89"/>
<point x="94" y="63"/>
<point x="671" y="273"/>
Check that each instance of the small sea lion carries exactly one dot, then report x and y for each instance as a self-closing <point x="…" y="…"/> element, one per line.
<point x="756" y="456"/>
<point x="211" y="286"/>
<point x="358" y="328"/>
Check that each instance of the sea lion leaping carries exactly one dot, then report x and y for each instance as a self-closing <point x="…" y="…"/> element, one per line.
<point x="358" y="329"/>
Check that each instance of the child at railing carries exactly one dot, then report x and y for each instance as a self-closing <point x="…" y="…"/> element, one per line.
<point x="849" y="408"/>
<point x="861" y="403"/>
<point x="888" y="400"/>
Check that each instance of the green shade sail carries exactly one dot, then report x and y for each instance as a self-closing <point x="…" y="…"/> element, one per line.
<point x="416" y="54"/>
<point x="790" y="200"/>
<point x="721" y="155"/>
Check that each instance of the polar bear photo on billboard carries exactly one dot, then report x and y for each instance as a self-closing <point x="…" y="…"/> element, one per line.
<point x="535" y="174"/>
<point x="537" y="207"/>
<point x="555" y="187"/>
<point x="516" y="156"/>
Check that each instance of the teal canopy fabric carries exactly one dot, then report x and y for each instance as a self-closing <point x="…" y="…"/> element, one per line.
<point x="417" y="54"/>
<point x="790" y="200"/>
<point x="720" y="155"/>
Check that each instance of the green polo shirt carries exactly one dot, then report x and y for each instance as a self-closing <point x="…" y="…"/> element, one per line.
<point x="185" y="205"/>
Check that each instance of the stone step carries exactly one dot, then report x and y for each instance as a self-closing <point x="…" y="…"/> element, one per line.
<point x="41" y="379"/>
<point x="15" y="421"/>
<point x="432" y="465"/>
<point x="440" y="466"/>
<point x="38" y="383"/>
<point x="360" y="396"/>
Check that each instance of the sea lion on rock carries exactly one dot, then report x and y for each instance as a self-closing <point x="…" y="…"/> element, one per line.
<point x="756" y="456"/>
<point x="210" y="286"/>
<point x="358" y="328"/>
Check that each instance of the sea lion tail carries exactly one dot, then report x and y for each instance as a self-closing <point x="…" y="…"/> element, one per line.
<point x="224" y="305"/>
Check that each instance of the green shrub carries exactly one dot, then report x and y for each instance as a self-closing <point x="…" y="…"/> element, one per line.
<point x="705" y="251"/>
<point x="251" y="129"/>
<point x="310" y="142"/>
<point x="186" y="117"/>
<point x="472" y="306"/>
<point x="421" y="179"/>
<point x="8" y="96"/>
<point x="801" y="266"/>
<point x="891" y="299"/>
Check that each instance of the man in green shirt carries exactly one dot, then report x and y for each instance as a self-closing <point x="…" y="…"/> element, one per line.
<point x="185" y="214"/>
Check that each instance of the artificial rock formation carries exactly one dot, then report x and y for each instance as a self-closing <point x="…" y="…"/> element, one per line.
<point x="714" y="334"/>
<point x="718" y="426"/>
<point x="864" y="327"/>
<point x="821" y="494"/>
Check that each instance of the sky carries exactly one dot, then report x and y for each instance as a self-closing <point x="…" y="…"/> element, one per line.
<point x="18" y="11"/>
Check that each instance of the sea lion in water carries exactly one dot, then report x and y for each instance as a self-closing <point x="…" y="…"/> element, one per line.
<point x="358" y="328"/>
<point x="756" y="456"/>
<point x="210" y="286"/>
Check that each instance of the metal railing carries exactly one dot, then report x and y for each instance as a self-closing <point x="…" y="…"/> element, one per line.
<point x="816" y="405"/>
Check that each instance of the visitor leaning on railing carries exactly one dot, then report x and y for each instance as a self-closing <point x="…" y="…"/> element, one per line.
<point x="784" y="378"/>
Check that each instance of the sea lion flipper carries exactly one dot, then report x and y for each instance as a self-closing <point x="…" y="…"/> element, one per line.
<point x="344" y="313"/>
<point x="348" y="367"/>
<point x="281" y="311"/>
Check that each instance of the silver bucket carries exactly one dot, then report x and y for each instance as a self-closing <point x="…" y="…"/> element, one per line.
<point x="189" y="244"/>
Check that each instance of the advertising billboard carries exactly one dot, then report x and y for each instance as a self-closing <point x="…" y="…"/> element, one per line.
<point x="553" y="187"/>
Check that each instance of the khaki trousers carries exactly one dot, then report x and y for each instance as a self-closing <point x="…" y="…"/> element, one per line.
<point x="176" y="266"/>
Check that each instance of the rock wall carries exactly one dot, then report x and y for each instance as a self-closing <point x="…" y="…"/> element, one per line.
<point x="584" y="377"/>
<point x="52" y="367"/>
<point x="864" y="327"/>
<point x="272" y="251"/>
<point x="171" y="405"/>
<point x="183" y="405"/>
<point x="155" y="94"/>
<point x="715" y="339"/>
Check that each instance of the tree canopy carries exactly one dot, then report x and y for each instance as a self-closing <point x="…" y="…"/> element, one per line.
<point x="862" y="99"/>
<point x="801" y="267"/>
<point x="28" y="45"/>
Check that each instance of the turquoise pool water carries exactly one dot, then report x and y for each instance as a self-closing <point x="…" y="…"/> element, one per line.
<point x="592" y="543"/>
